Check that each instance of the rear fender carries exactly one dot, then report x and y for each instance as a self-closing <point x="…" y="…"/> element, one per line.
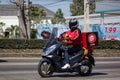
<point x="91" y="59"/>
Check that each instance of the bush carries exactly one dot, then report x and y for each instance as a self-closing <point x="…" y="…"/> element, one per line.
<point x="39" y="44"/>
<point x="21" y="44"/>
<point x="109" y="44"/>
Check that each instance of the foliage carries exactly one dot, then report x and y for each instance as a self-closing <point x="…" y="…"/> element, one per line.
<point x="109" y="44"/>
<point x="33" y="33"/>
<point x="21" y="44"/>
<point x="1" y="29"/>
<point x="13" y="31"/>
<point x="39" y="44"/>
<point x="24" y="19"/>
<point x="92" y="6"/>
<point x="37" y="14"/>
<point x="2" y="24"/>
<point x="58" y="17"/>
<point x="77" y="7"/>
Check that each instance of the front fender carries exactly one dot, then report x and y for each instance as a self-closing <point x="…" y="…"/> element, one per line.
<point x="45" y="60"/>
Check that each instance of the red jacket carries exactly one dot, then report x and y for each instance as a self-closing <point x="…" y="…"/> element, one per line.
<point x="73" y="37"/>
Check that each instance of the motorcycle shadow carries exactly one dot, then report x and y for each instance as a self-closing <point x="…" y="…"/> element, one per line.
<point x="98" y="73"/>
<point x="77" y="75"/>
<point x="3" y="61"/>
<point x="66" y="75"/>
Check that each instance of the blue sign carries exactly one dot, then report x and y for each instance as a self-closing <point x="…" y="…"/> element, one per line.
<point x="105" y="32"/>
<point x="109" y="32"/>
<point x="47" y="29"/>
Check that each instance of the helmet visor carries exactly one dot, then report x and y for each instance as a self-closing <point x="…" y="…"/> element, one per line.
<point x="73" y="24"/>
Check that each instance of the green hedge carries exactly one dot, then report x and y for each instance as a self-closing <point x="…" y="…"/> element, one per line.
<point x="109" y="44"/>
<point x="21" y="44"/>
<point x="39" y="44"/>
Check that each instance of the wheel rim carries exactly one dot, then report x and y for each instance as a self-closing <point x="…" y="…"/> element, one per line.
<point x="46" y="68"/>
<point x="85" y="66"/>
<point x="84" y="69"/>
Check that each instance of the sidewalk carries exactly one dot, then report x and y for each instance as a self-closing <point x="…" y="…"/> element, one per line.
<point x="37" y="53"/>
<point x="20" y="52"/>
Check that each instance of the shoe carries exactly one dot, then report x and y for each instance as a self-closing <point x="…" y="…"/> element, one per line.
<point x="66" y="66"/>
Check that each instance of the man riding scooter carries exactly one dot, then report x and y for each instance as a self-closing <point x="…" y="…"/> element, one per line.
<point x="79" y="60"/>
<point x="72" y="37"/>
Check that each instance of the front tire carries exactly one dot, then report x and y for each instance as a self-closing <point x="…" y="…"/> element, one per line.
<point x="45" y="68"/>
<point x="85" y="68"/>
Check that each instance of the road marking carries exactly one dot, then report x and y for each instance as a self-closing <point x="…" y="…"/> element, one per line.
<point x="105" y="70"/>
<point x="20" y="58"/>
<point x="17" y="72"/>
<point x="21" y="63"/>
<point x="107" y="62"/>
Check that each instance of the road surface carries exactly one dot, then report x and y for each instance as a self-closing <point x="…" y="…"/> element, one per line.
<point x="26" y="69"/>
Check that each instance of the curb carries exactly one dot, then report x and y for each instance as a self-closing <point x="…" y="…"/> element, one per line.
<point x="37" y="53"/>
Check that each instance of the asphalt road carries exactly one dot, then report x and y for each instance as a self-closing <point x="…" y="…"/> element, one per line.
<point x="26" y="69"/>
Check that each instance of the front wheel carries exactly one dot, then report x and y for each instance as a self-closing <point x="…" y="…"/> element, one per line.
<point x="85" y="68"/>
<point x="45" y="68"/>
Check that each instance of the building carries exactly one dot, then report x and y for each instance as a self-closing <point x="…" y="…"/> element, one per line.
<point x="8" y="14"/>
<point x="98" y="19"/>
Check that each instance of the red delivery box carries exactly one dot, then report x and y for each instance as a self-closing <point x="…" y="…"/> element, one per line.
<point x="90" y="39"/>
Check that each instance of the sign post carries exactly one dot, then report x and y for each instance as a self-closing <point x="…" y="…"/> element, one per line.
<point x="86" y="16"/>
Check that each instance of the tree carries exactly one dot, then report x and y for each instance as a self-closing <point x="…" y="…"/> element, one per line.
<point x="58" y="17"/>
<point x="25" y="33"/>
<point x="37" y="14"/>
<point x="28" y="21"/>
<point x="92" y="6"/>
<point x="1" y="28"/>
<point x="77" y="7"/>
<point x="14" y="31"/>
<point x="2" y="24"/>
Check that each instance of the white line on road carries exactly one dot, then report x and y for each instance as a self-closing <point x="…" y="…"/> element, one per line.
<point x="21" y="63"/>
<point x="17" y="72"/>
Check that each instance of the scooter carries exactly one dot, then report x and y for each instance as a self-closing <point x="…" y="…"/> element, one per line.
<point x="51" y="62"/>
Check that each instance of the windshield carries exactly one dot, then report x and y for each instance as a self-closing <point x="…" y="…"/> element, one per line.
<point x="52" y="38"/>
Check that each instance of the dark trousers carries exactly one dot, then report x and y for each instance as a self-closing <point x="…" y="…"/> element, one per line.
<point x="70" y="51"/>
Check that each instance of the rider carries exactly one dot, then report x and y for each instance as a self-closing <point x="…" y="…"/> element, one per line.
<point x="72" y="37"/>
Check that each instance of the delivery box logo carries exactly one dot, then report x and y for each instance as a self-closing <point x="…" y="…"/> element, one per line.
<point x="91" y="38"/>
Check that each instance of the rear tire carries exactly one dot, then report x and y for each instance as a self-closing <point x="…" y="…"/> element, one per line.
<point x="45" y="69"/>
<point x="86" y="68"/>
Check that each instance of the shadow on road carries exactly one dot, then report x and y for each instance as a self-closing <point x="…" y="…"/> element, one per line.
<point x="3" y="61"/>
<point x="66" y="75"/>
<point x="77" y="75"/>
<point x="98" y="73"/>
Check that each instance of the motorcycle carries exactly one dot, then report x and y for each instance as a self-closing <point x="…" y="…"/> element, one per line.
<point x="51" y="62"/>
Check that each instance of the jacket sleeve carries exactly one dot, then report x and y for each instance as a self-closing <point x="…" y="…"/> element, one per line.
<point x="61" y="37"/>
<point x="69" y="42"/>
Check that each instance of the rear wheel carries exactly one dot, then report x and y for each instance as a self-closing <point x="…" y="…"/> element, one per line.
<point x="86" y="68"/>
<point x="45" y="69"/>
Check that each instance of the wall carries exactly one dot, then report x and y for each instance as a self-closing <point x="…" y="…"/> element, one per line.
<point x="9" y="20"/>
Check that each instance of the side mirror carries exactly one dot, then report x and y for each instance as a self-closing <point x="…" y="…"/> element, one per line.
<point x="45" y="34"/>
